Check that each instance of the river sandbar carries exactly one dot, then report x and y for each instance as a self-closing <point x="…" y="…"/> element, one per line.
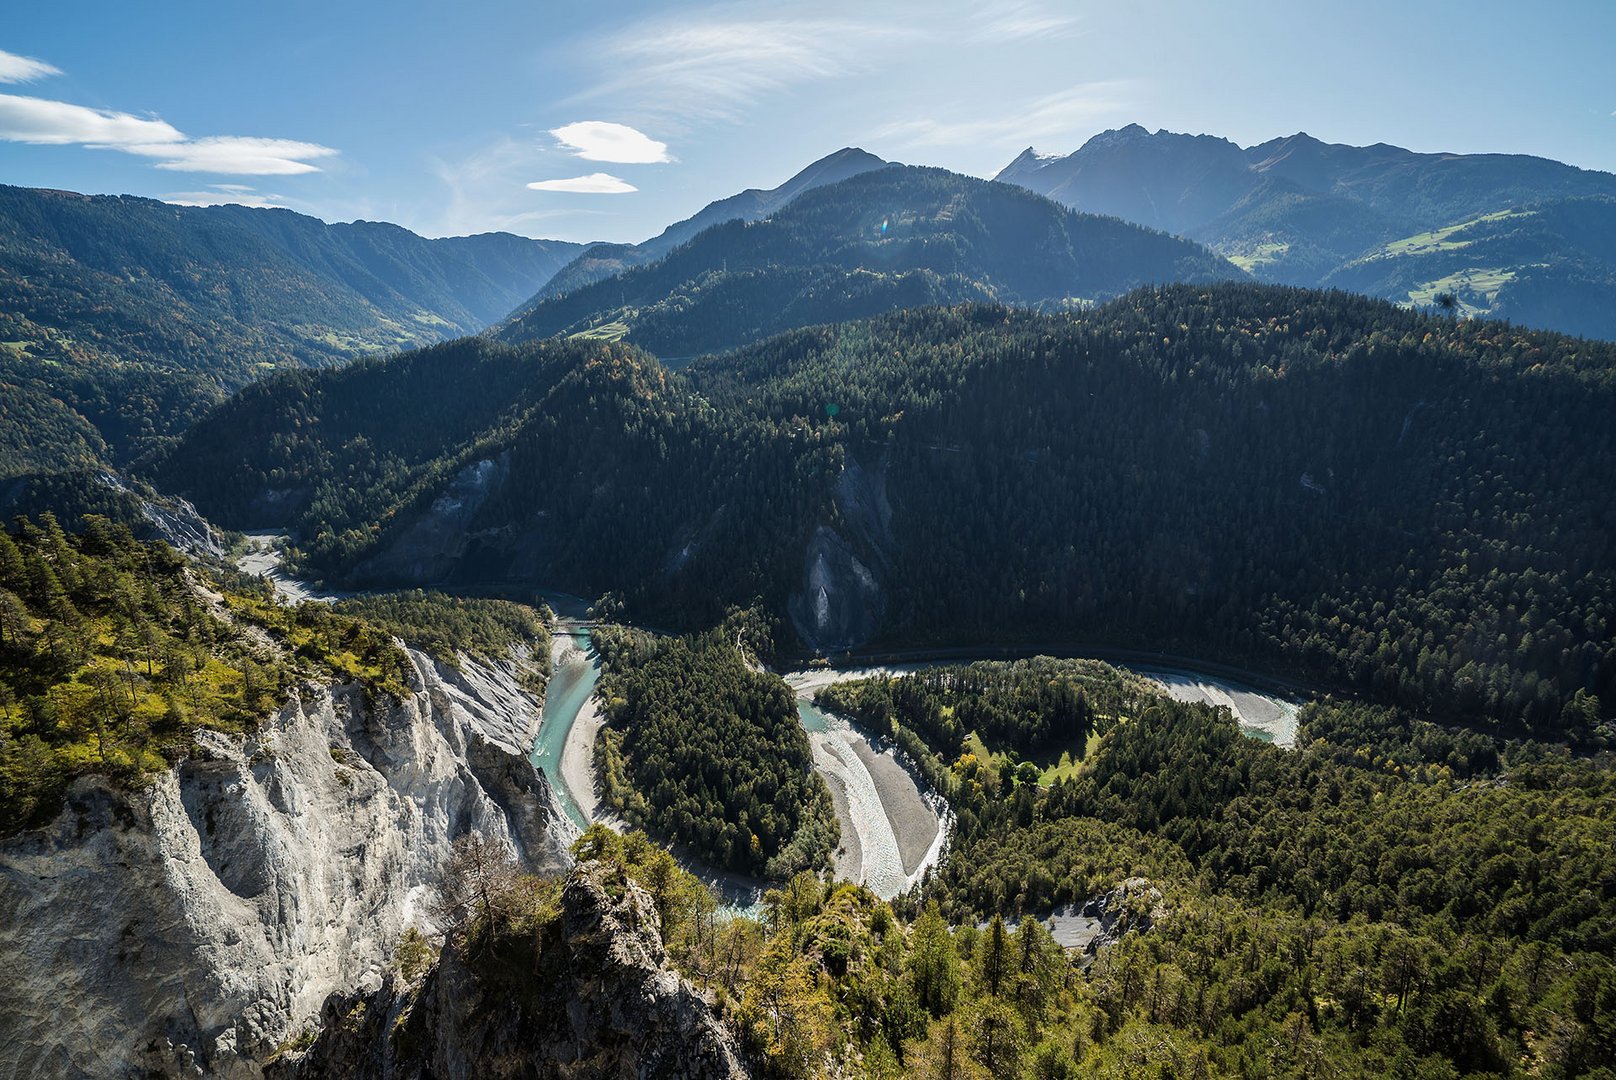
<point x="914" y="822"/>
<point x="578" y="758"/>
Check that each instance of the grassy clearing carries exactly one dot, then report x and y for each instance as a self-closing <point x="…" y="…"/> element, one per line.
<point x="1065" y="765"/>
<point x="1249" y="257"/>
<point x="612" y="331"/>
<point x="1437" y="241"/>
<point x="1467" y="285"/>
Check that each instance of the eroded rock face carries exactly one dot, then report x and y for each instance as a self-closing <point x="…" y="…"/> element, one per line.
<point x="191" y="927"/>
<point x="841" y="600"/>
<point x="595" y="997"/>
<point x="840" y="603"/>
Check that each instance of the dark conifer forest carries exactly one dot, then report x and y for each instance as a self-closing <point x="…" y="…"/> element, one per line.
<point x="706" y="752"/>
<point x="1396" y="504"/>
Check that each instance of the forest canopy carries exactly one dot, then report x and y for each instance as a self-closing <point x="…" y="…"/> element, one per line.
<point x="706" y="751"/>
<point x="1311" y="483"/>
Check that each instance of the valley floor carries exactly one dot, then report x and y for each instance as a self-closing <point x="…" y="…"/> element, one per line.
<point x="264" y="558"/>
<point x="578" y="759"/>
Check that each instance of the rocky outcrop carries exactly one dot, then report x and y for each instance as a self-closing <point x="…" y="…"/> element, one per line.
<point x="191" y="927"/>
<point x="840" y="603"/>
<point x="861" y="500"/>
<point x="841" y="600"/>
<point x="593" y="996"/>
<point x="169" y="517"/>
<point x="1135" y="906"/>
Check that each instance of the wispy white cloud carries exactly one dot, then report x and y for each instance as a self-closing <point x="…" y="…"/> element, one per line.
<point x="15" y="69"/>
<point x="713" y="63"/>
<point x="1061" y="115"/>
<point x="45" y="122"/>
<point x="1021" y="20"/>
<point x="594" y="184"/>
<point x="599" y="140"/>
<point x="485" y="190"/>
<point x="710" y="65"/>
<point x="237" y="155"/>
<point x="59" y="123"/>
<point x="220" y="194"/>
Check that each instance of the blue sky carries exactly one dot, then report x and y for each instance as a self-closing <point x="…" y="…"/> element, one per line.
<point x="441" y="116"/>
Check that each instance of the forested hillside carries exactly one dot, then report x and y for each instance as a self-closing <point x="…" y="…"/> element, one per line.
<point x="706" y="752"/>
<point x="113" y="653"/>
<point x="1334" y="910"/>
<point x="890" y="238"/>
<point x="123" y="319"/>
<point x="1304" y="482"/>
<point x="1239" y="911"/>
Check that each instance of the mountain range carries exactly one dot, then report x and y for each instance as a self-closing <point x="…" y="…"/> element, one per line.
<point x="885" y="238"/>
<point x="122" y="319"/>
<point x="1511" y="236"/>
<point x="604" y="260"/>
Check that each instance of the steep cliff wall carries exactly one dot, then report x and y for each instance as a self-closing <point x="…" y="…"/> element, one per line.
<point x="190" y="927"/>
<point x="591" y="994"/>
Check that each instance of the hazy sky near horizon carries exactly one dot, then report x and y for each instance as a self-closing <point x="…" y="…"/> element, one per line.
<point x="607" y="121"/>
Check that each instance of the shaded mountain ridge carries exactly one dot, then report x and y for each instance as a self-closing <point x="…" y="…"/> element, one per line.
<point x="604" y="260"/>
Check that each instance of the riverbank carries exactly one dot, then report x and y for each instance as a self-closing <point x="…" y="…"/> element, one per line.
<point x="1268" y="714"/>
<point x="893" y="830"/>
<point x="914" y="824"/>
<point x="570" y="692"/>
<point x="578" y="759"/>
<point x="1261" y="715"/>
<point x="904" y="659"/>
<point x="263" y="558"/>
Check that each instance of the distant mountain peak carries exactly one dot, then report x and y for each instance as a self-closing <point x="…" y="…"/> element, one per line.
<point x="1031" y="156"/>
<point x="753" y="204"/>
<point x="1137" y="134"/>
<point x="849" y="154"/>
<point x="843" y="163"/>
<point x="1114" y="137"/>
<point x="1027" y="162"/>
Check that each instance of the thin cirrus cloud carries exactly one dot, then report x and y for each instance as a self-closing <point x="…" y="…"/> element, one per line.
<point x="1023" y="21"/>
<point x="600" y="140"/>
<point x="712" y="65"/>
<point x="46" y="122"/>
<point x="594" y="184"/>
<point x="20" y="69"/>
<point x="221" y="194"/>
<point x="1055" y="116"/>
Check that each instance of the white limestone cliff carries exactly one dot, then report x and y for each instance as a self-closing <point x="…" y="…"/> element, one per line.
<point x="190" y="927"/>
